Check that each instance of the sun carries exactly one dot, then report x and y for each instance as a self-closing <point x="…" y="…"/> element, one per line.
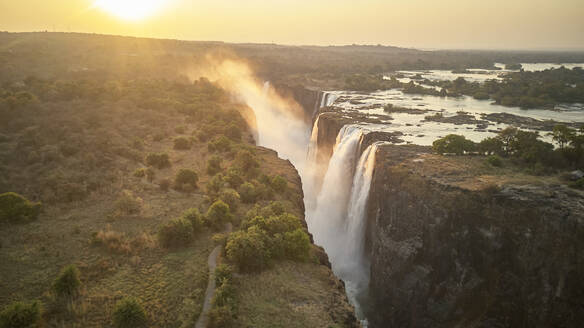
<point x="130" y="9"/>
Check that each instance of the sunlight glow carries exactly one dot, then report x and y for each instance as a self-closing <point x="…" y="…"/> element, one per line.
<point x="130" y="9"/>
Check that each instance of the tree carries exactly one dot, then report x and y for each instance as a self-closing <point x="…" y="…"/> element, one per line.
<point x="491" y="146"/>
<point x="507" y="136"/>
<point x="248" y="193"/>
<point x="562" y="135"/>
<point x="454" y="144"/>
<point x="17" y="209"/>
<point x="218" y="215"/>
<point x="247" y="162"/>
<point x="176" y="233"/>
<point x="68" y="283"/>
<point x="128" y="313"/>
<point x="248" y="249"/>
<point x="214" y="165"/>
<point x="21" y="315"/>
<point x="186" y="179"/>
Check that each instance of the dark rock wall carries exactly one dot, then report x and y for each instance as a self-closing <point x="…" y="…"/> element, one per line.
<point x="448" y="257"/>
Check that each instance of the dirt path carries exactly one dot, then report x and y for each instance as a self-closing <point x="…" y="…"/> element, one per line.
<point x="210" y="292"/>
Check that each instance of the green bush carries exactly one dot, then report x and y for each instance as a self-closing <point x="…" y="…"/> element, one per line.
<point x="248" y="249"/>
<point x="453" y="144"/>
<point x="140" y="172"/>
<point x="492" y="146"/>
<point x="231" y="197"/>
<point x="274" y="224"/>
<point x="14" y="208"/>
<point x="224" y="295"/>
<point x="578" y="184"/>
<point x="68" y="282"/>
<point x="159" y="161"/>
<point x="296" y="245"/>
<point x="215" y="185"/>
<point x="186" y="180"/>
<point x="247" y="162"/>
<point x="223" y="272"/>
<point x="248" y="193"/>
<point x="220" y="144"/>
<point x="221" y="317"/>
<point x="176" y="233"/>
<point x="21" y="315"/>
<point x="495" y="160"/>
<point x="182" y="143"/>
<point x="279" y="183"/>
<point x="128" y="313"/>
<point x="218" y="215"/>
<point x="195" y="217"/>
<point x="128" y="204"/>
<point x="233" y="132"/>
<point x="233" y="177"/>
<point x="214" y="165"/>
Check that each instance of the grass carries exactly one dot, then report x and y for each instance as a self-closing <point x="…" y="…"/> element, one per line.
<point x="298" y="294"/>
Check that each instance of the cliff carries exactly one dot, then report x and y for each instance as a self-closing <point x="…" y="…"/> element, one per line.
<point x="455" y="243"/>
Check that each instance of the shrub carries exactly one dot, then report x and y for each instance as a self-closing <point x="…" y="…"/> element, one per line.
<point x="296" y="245"/>
<point x="220" y="144"/>
<point x="233" y="177"/>
<point x="15" y="208"/>
<point x="248" y="249"/>
<point x="214" y="165"/>
<point x="231" y="197"/>
<point x="215" y="185"/>
<point x="159" y="161"/>
<point x="578" y="184"/>
<point x="182" y="143"/>
<point x="176" y="233"/>
<point x="492" y="146"/>
<point x="223" y="272"/>
<point x="279" y="183"/>
<point x="247" y="162"/>
<point x="453" y="144"/>
<point x="495" y="160"/>
<point x="113" y="240"/>
<point x="128" y="313"/>
<point x="221" y="317"/>
<point x="21" y="315"/>
<point x="248" y="193"/>
<point x="128" y="204"/>
<point x="218" y="215"/>
<point x="195" y="217"/>
<point x="233" y="132"/>
<point x="140" y="172"/>
<point x="185" y="180"/>
<point x="68" y="283"/>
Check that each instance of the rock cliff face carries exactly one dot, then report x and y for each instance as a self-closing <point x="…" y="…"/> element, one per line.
<point x="449" y="249"/>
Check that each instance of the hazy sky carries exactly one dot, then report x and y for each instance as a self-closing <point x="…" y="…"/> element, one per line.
<point x="534" y="24"/>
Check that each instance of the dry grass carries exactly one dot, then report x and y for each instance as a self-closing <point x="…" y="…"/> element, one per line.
<point x="297" y="294"/>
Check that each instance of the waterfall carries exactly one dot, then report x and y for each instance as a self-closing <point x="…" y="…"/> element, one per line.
<point x="328" y="99"/>
<point x="338" y="218"/>
<point x="355" y="267"/>
<point x="312" y="170"/>
<point x="327" y="218"/>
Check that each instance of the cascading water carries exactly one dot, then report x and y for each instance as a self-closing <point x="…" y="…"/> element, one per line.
<point x="336" y="213"/>
<point x="327" y="218"/>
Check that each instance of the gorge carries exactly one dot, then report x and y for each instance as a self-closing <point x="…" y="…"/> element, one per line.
<point x="424" y="249"/>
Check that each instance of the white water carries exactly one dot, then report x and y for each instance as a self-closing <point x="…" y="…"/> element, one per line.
<point x="338" y="217"/>
<point x="327" y="218"/>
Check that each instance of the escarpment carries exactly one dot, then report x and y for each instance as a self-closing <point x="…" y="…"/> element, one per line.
<point x="453" y="246"/>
